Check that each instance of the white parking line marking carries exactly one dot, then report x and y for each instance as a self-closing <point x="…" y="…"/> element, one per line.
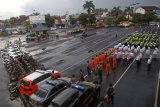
<point x="123" y="73"/>
<point x="157" y="90"/>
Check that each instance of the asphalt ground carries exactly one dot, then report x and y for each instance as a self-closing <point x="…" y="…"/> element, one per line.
<point x="70" y="54"/>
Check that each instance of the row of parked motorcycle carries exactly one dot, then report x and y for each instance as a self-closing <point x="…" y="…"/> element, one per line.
<point x="18" y="63"/>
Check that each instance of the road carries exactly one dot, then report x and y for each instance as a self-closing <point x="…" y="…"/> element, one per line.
<point x="69" y="54"/>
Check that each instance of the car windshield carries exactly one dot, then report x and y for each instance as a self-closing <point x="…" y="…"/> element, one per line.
<point x="41" y="93"/>
<point x="24" y="83"/>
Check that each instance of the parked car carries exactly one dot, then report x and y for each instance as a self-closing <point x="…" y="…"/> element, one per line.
<point x="30" y="37"/>
<point x="77" y="95"/>
<point x="14" y="32"/>
<point x="65" y="98"/>
<point x="46" y="92"/>
<point x="29" y="84"/>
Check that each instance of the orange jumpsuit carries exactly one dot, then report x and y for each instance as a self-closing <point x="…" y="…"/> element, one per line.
<point x="93" y="65"/>
<point x="97" y="61"/>
<point x="103" y="58"/>
<point x="107" y="69"/>
<point x="107" y="59"/>
<point x="114" y="65"/>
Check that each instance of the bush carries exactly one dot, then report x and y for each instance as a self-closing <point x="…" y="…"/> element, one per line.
<point x="3" y="34"/>
<point x="110" y="21"/>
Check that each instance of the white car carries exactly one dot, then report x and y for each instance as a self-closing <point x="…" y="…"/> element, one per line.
<point x="14" y="32"/>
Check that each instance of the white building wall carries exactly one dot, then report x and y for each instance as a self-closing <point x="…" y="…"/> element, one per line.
<point x="140" y="10"/>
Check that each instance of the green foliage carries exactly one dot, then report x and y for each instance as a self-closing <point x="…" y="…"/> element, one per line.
<point x="116" y="11"/>
<point x="27" y="25"/>
<point x="85" y="19"/>
<point x="146" y="18"/>
<point x="110" y="21"/>
<point x="3" y="34"/>
<point x="149" y="16"/>
<point x="99" y="11"/>
<point x="89" y="6"/>
<point x="128" y="10"/>
<point x="49" y="20"/>
<point x="137" y="18"/>
<point x="122" y="18"/>
<point x="73" y="20"/>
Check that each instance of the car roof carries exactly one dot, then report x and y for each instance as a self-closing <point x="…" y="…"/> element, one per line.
<point x="35" y="75"/>
<point x="47" y="87"/>
<point x="87" y="84"/>
<point x="64" y="96"/>
<point x="79" y="87"/>
<point x="56" y="82"/>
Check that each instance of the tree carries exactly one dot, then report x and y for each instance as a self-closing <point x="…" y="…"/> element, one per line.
<point x="149" y="16"/>
<point x="99" y="11"/>
<point x="128" y="10"/>
<point x="83" y="18"/>
<point x="49" y="20"/>
<point x="110" y="21"/>
<point x="116" y="11"/>
<point x="12" y="21"/>
<point x="72" y="20"/>
<point x="137" y="18"/>
<point x="120" y="19"/>
<point x="35" y="14"/>
<point x="89" y="6"/>
<point x="27" y="25"/>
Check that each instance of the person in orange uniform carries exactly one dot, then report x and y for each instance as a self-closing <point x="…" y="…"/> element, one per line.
<point x="107" y="69"/>
<point x="107" y="59"/>
<point x="93" y="64"/>
<point x="114" y="65"/>
<point x="97" y="61"/>
<point x="103" y="58"/>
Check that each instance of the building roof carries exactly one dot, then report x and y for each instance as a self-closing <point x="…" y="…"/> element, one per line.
<point x="40" y="27"/>
<point x="149" y="8"/>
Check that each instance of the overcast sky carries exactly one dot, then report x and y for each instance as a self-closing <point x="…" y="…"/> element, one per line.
<point x="10" y="8"/>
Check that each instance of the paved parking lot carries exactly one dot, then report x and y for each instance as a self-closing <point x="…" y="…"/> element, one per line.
<point x="69" y="54"/>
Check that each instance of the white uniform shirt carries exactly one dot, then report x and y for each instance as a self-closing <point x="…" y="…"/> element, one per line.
<point x="120" y="48"/>
<point x="138" y="48"/>
<point x="148" y="51"/>
<point x="125" y="48"/>
<point x="119" y="44"/>
<point x="155" y="52"/>
<point x="135" y="50"/>
<point x="116" y="46"/>
<point x="138" y="58"/>
<point x="140" y="55"/>
<point x="129" y="49"/>
<point x="132" y="48"/>
<point x="149" y="61"/>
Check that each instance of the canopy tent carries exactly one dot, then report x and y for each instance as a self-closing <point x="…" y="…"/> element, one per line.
<point x="40" y="27"/>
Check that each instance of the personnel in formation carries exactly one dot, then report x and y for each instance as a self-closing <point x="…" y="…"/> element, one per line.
<point x="107" y="69"/>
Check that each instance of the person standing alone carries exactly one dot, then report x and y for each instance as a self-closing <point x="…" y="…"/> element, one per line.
<point x="111" y="93"/>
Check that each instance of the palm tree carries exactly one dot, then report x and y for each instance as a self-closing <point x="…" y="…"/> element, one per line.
<point x="89" y="6"/>
<point x="129" y="10"/>
<point x="116" y="11"/>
